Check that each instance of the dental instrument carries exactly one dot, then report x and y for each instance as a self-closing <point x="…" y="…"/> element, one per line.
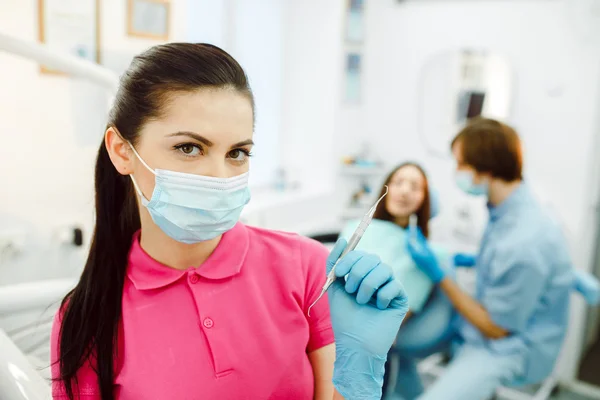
<point x="352" y="243"/>
<point x="412" y="226"/>
<point x="412" y="221"/>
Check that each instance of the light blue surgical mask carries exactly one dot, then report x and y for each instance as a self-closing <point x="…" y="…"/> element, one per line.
<point x="464" y="180"/>
<point x="194" y="208"/>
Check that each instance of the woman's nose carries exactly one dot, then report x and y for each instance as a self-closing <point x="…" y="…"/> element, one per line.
<point x="215" y="168"/>
<point x="404" y="189"/>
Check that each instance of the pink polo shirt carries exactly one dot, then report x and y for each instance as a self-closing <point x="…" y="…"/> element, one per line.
<point x="234" y="328"/>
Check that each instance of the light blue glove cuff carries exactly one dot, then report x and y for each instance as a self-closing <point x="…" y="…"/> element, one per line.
<point x="358" y="375"/>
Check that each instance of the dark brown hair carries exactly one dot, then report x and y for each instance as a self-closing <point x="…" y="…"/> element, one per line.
<point x="424" y="211"/>
<point x="489" y="146"/>
<point x="92" y="311"/>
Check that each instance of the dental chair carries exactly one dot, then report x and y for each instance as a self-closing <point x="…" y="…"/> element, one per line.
<point x="18" y="378"/>
<point x="26" y="314"/>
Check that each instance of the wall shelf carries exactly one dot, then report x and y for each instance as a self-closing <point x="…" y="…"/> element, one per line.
<point x="353" y="170"/>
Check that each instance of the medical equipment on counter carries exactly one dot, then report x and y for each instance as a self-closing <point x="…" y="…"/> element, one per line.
<point x="359" y="196"/>
<point x="364" y="159"/>
<point x="352" y="243"/>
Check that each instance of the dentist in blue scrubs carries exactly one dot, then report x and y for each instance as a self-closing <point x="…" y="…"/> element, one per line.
<point x="511" y="331"/>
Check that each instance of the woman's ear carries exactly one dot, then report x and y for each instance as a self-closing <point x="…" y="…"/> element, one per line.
<point x="119" y="151"/>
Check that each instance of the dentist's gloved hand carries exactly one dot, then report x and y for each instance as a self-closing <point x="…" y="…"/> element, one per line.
<point x="588" y="286"/>
<point x="366" y="313"/>
<point x="464" y="260"/>
<point x="423" y="256"/>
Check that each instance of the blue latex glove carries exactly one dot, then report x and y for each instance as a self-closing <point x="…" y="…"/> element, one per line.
<point x="464" y="260"/>
<point x="588" y="286"/>
<point x="365" y="324"/>
<point x="423" y="256"/>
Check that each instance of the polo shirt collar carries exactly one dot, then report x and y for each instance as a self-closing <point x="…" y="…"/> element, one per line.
<point x="225" y="261"/>
<point x="520" y="195"/>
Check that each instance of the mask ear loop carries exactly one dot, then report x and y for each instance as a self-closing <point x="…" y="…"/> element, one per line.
<point x="135" y="184"/>
<point x="140" y="158"/>
<point x="137" y="188"/>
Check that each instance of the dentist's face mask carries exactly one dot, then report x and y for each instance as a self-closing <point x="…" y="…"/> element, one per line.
<point x="193" y="208"/>
<point x="464" y="180"/>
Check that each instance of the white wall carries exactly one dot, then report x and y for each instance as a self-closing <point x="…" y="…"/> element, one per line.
<point x="312" y="59"/>
<point x="257" y="44"/>
<point x="292" y="52"/>
<point x="51" y="129"/>
<point x="556" y="97"/>
<point x="253" y="33"/>
<point x="208" y="22"/>
<point x="312" y="79"/>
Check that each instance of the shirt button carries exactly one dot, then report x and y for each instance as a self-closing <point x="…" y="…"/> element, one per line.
<point x="194" y="278"/>
<point x="208" y="323"/>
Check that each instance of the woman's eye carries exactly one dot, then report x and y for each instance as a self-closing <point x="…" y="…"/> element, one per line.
<point x="189" y="149"/>
<point x="238" y="155"/>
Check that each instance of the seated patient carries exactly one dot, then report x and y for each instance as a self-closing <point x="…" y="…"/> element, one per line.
<point x="386" y="236"/>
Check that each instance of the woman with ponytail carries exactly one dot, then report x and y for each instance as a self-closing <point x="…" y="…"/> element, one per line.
<point x="179" y="300"/>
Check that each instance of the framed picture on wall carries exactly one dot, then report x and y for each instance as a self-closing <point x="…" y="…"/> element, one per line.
<point x="353" y="78"/>
<point x="149" y="18"/>
<point x="70" y="26"/>
<point x="355" y="21"/>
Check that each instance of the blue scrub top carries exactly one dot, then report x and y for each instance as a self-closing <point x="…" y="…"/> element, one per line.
<point x="524" y="279"/>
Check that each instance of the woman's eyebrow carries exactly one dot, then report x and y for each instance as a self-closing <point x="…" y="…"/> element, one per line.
<point x="194" y="136"/>
<point x="207" y="142"/>
<point x="248" y="142"/>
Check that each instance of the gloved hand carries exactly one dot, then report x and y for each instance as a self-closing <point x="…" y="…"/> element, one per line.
<point x="464" y="260"/>
<point x="588" y="286"/>
<point x="366" y="324"/>
<point x="423" y="256"/>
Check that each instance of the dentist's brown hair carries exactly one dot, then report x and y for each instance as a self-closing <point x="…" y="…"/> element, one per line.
<point x="492" y="147"/>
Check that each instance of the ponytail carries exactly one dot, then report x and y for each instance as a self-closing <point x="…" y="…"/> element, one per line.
<point x="91" y="312"/>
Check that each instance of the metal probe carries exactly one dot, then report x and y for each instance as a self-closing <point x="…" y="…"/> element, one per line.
<point x="352" y="243"/>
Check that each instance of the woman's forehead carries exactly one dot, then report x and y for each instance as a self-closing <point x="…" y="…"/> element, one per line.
<point x="409" y="172"/>
<point x="219" y="115"/>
